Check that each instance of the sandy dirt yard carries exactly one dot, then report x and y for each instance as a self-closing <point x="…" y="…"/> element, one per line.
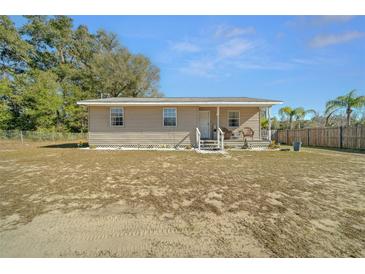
<point x="68" y="202"/>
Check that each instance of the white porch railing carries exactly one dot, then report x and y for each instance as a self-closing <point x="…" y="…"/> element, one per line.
<point x="197" y="137"/>
<point x="267" y="134"/>
<point x="220" y="139"/>
<point x="264" y="134"/>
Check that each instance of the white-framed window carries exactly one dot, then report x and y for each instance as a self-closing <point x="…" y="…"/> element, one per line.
<point x="117" y="117"/>
<point x="169" y="117"/>
<point x="233" y="118"/>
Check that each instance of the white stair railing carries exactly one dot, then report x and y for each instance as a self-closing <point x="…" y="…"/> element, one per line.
<point x="197" y="137"/>
<point x="220" y="139"/>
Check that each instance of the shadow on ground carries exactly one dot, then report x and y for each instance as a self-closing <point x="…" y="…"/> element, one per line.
<point x="348" y="150"/>
<point x="66" y="145"/>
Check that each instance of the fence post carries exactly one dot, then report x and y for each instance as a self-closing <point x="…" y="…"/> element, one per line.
<point x="358" y="137"/>
<point x="21" y="136"/>
<point x="287" y="136"/>
<point x="341" y="136"/>
<point x="308" y="136"/>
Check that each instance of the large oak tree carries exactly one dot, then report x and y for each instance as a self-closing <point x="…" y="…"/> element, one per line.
<point x="47" y="65"/>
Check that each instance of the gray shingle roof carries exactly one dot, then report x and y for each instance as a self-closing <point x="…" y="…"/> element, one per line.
<point x="189" y="100"/>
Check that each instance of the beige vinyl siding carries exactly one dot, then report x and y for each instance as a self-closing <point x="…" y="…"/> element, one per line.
<point x="142" y="125"/>
<point x="249" y="117"/>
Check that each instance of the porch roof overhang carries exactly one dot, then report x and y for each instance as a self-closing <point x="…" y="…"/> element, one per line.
<point x="179" y="101"/>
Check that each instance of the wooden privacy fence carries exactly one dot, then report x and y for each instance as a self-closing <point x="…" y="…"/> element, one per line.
<point x="337" y="137"/>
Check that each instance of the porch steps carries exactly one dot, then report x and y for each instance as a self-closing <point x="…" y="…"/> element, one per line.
<point x="209" y="145"/>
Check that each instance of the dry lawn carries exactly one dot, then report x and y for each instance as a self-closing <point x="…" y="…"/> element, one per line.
<point x="68" y="202"/>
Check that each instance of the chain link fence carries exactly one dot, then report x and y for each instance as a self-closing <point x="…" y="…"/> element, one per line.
<point x="22" y="136"/>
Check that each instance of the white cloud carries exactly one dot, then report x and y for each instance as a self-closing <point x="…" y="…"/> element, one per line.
<point x="229" y="51"/>
<point x="200" y="67"/>
<point x="319" y="21"/>
<point x="230" y="32"/>
<point x="278" y="82"/>
<point x="280" y="35"/>
<point x="185" y="47"/>
<point x="304" y="61"/>
<point x="324" y="40"/>
<point x="262" y="65"/>
<point x="327" y="19"/>
<point x="234" y="48"/>
<point x="215" y="67"/>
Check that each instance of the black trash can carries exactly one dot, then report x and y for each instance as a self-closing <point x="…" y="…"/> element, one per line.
<point x="297" y="145"/>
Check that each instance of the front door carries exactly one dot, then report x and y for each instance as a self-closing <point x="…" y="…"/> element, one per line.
<point x="204" y="124"/>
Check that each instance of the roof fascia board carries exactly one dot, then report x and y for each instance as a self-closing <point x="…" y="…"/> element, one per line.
<point x="178" y="103"/>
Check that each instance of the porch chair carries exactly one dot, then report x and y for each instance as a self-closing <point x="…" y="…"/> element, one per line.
<point x="247" y="132"/>
<point x="227" y="133"/>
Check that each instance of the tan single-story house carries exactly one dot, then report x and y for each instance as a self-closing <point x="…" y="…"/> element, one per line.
<point x="199" y="122"/>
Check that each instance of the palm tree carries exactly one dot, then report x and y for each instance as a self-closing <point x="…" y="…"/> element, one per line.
<point x="296" y="113"/>
<point x="264" y="122"/>
<point x="301" y="113"/>
<point x="349" y="102"/>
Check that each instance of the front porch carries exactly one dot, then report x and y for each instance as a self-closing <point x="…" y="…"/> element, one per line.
<point x="232" y="127"/>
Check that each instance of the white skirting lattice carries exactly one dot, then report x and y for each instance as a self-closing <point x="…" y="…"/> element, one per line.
<point x="142" y="147"/>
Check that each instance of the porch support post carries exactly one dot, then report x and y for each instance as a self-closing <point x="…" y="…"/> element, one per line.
<point x="269" y="125"/>
<point x="217" y="124"/>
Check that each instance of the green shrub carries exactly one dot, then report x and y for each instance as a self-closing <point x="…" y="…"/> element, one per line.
<point x="274" y="145"/>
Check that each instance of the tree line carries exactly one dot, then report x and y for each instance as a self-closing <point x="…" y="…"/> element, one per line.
<point x="343" y="110"/>
<point x="47" y="65"/>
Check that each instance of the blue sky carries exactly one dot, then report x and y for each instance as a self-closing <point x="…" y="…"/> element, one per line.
<point x="303" y="61"/>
